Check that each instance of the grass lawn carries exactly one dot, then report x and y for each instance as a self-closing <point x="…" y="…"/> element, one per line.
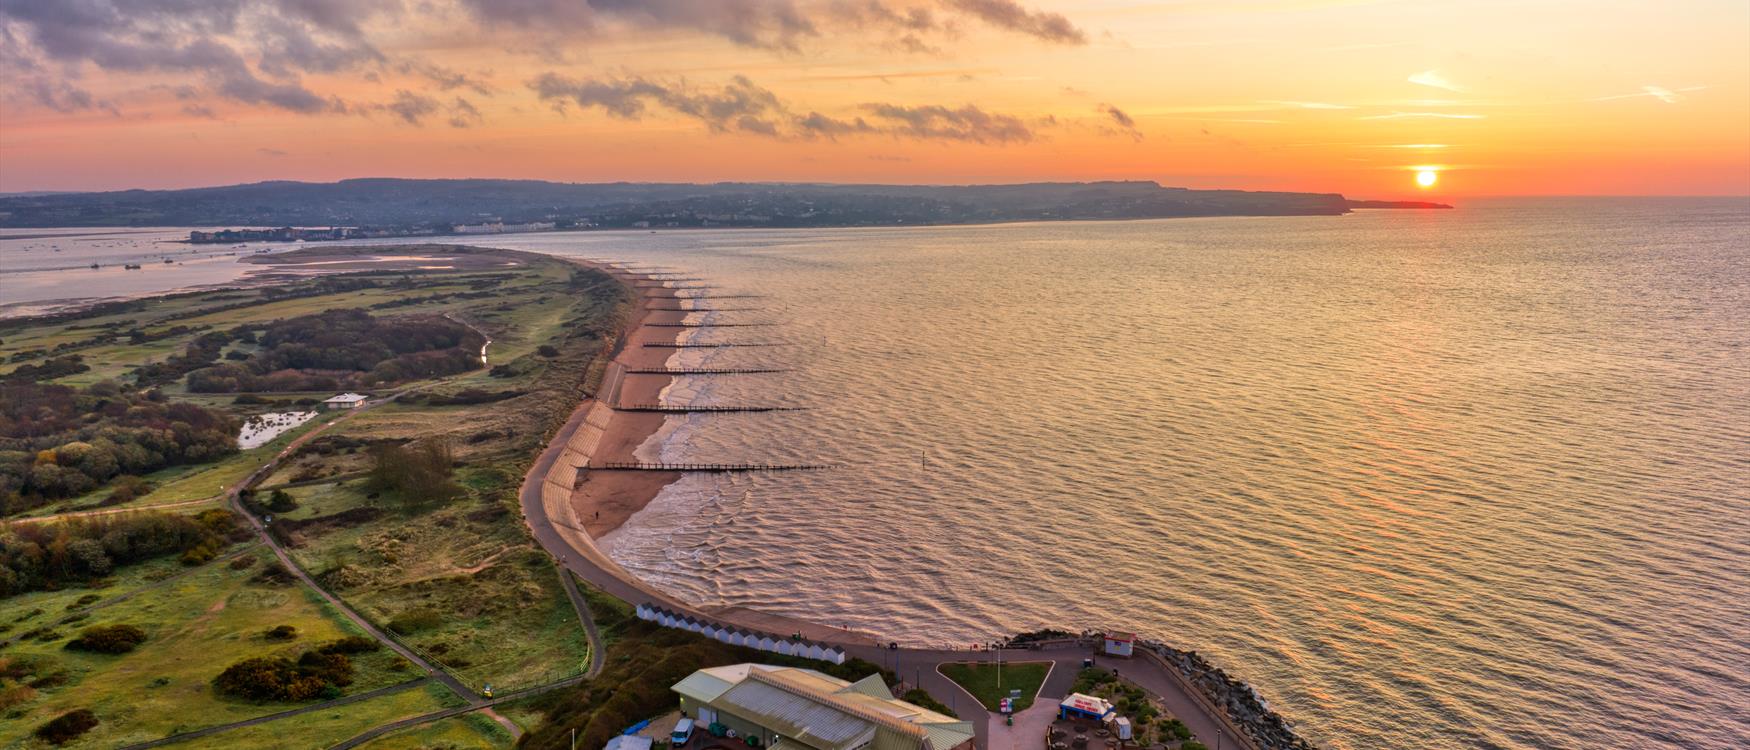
<point x="980" y="679"/>
<point x="465" y="732"/>
<point x="196" y="626"/>
<point x="323" y="729"/>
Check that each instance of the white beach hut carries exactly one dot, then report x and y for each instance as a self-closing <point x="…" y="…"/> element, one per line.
<point x="812" y="651"/>
<point x="764" y="643"/>
<point x="645" y="612"/>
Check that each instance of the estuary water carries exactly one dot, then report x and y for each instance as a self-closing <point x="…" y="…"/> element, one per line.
<point x="1464" y="479"/>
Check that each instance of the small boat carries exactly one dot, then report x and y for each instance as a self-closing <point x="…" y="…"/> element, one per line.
<point x="168" y="261"/>
<point x="131" y="266"/>
<point x="94" y="265"/>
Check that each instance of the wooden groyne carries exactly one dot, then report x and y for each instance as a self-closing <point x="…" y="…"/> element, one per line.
<point x="720" y="296"/>
<point x="706" y="309"/>
<point x="675" y="288"/>
<point x="672" y="409"/>
<point x="707" y="325"/>
<point x="647" y="466"/>
<point x="680" y="345"/>
<point x="704" y="371"/>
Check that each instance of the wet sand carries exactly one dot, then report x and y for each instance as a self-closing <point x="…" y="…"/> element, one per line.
<point x="603" y="500"/>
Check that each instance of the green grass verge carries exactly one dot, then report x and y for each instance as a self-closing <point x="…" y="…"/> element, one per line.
<point x="323" y="729"/>
<point x="982" y="680"/>
<point x="472" y="731"/>
<point x="196" y="626"/>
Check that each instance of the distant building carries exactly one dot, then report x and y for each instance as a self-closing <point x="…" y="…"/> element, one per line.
<point x="344" y="401"/>
<point x="767" y="705"/>
<point x="499" y="227"/>
<point x="1119" y="644"/>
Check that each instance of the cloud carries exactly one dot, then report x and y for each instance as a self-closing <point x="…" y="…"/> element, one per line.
<point x="446" y="79"/>
<point x="1423" y="115"/>
<point x="742" y="106"/>
<point x="1125" y="123"/>
<point x="202" y="38"/>
<point x="463" y="114"/>
<point x="1305" y="105"/>
<point x="936" y="122"/>
<point x="1661" y="93"/>
<point x="767" y="24"/>
<point x="739" y="105"/>
<point x="1432" y="78"/>
<point x="273" y="152"/>
<point x="1008" y="14"/>
<point x="411" y="107"/>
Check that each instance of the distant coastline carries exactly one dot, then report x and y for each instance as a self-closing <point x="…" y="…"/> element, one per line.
<point x="403" y="207"/>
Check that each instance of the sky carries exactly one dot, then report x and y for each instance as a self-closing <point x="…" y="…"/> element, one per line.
<point x="1528" y="97"/>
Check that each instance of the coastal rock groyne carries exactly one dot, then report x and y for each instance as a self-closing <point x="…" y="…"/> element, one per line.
<point x="1238" y="700"/>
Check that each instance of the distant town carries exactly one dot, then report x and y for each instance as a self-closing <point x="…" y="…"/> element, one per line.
<point x="314" y="234"/>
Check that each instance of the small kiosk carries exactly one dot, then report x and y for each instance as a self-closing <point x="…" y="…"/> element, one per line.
<point x="1118" y="644"/>
<point x="1079" y="706"/>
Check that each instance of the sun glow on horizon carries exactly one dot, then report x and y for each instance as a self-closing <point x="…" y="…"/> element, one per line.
<point x="1426" y="178"/>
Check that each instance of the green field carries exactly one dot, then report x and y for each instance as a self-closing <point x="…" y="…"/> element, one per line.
<point x="465" y="732"/>
<point x="196" y="626"/>
<point x="990" y="683"/>
<point x="323" y="729"/>
<point x="485" y="603"/>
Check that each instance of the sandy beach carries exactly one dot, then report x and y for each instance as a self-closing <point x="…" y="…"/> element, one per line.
<point x="602" y="501"/>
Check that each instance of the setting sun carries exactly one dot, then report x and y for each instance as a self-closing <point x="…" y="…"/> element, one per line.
<point x="1427" y="177"/>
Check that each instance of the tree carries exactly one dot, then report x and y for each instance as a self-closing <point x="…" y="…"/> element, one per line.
<point x="418" y="473"/>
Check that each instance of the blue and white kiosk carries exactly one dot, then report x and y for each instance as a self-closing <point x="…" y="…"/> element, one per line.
<point x="1079" y="706"/>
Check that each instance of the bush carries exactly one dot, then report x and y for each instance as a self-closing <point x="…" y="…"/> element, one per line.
<point x="127" y="489"/>
<point x="415" y="620"/>
<point x="281" y="633"/>
<point x="547" y="350"/>
<point x="917" y="697"/>
<point x="64" y="728"/>
<point x="352" y="644"/>
<point x="273" y="678"/>
<point x="281" y="501"/>
<point x="108" y="639"/>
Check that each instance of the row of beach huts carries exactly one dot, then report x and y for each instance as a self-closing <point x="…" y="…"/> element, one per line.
<point x="740" y="637"/>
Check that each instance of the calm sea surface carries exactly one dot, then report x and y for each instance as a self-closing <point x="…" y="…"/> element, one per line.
<point x="1477" y="478"/>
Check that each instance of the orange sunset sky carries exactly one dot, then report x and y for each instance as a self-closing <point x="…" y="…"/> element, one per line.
<point x="1496" y="97"/>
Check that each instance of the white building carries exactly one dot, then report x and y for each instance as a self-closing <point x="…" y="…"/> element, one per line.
<point x="345" y="401"/>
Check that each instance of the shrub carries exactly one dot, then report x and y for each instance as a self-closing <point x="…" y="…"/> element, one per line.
<point x="108" y="639"/>
<point x="415" y="620"/>
<point x="281" y="633"/>
<point x="352" y="644"/>
<point x="64" y="728"/>
<point x="274" y="678"/>
<point x="917" y="697"/>
<point x="547" y="350"/>
<point x="281" y="501"/>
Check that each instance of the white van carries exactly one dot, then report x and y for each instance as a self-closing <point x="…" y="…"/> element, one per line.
<point x="683" y="731"/>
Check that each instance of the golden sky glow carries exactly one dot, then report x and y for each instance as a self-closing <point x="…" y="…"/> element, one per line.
<point x="1494" y="97"/>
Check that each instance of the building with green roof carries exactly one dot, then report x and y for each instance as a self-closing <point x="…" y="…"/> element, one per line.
<point x="766" y="706"/>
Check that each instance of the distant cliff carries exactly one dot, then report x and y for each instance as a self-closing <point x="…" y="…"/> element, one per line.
<point x="1396" y="204"/>
<point x="435" y="203"/>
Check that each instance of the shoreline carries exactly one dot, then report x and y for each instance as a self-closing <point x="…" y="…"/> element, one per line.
<point x="568" y="507"/>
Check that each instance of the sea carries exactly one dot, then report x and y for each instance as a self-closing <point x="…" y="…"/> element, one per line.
<point x="1475" y="478"/>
